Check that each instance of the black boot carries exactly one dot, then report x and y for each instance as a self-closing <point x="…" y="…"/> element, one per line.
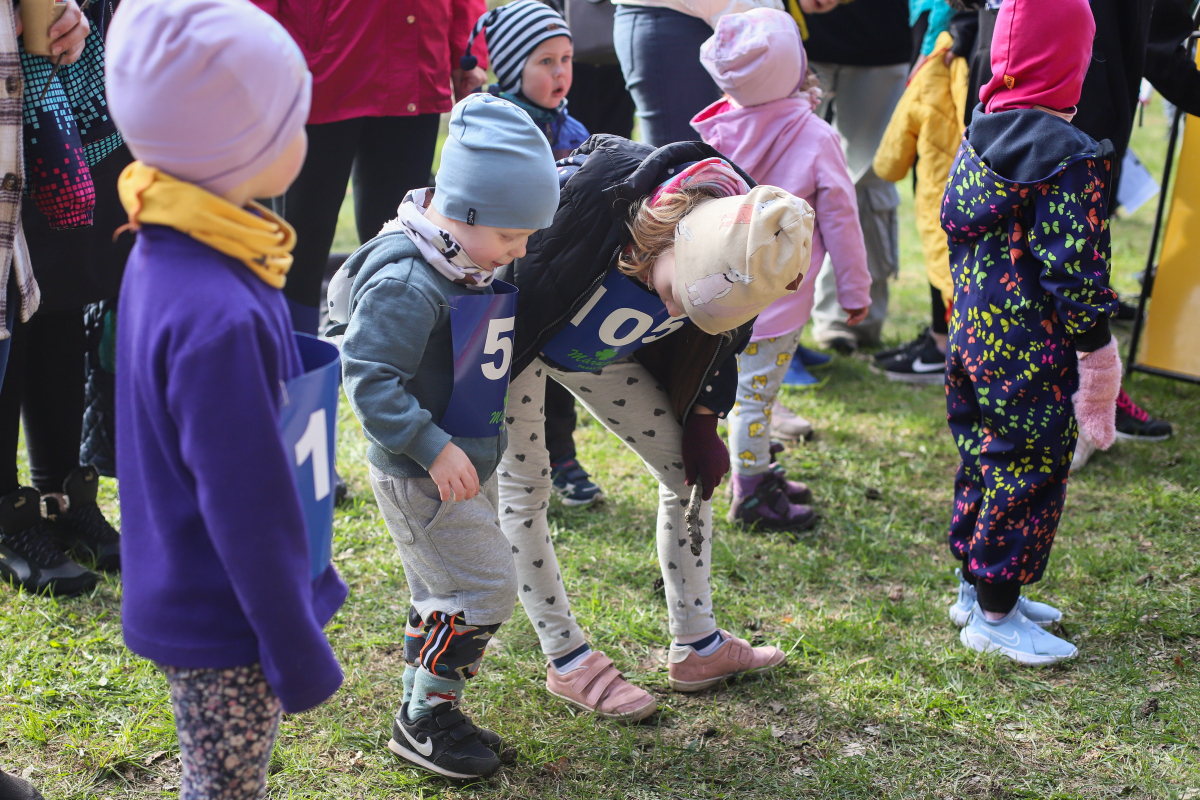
<point x="82" y="529"/>
<point x="14" y="788"/>
<point x="29" y="556"/>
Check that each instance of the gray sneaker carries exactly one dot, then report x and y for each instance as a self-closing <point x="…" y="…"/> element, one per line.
<point x="1015" y="636"/>
<point x="1039" y="614"/>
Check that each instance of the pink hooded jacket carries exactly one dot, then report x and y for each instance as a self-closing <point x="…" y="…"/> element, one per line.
<point x="781" y="142"/>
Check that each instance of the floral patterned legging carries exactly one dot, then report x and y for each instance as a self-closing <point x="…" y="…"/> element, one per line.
<point x="226" y="720"/>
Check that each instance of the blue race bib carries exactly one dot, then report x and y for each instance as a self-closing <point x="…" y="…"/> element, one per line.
<point x="617" y="319"/>
<point x="482" y="327"/>
<point x="309" y="417"/>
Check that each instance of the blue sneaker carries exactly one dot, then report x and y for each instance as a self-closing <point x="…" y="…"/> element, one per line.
<point x="810" y="358"/>
<point x="1015" y="636"/>
<point x="573" y="485"/>
<point x="797" y="375"/>
<point x="1039" y="614"/>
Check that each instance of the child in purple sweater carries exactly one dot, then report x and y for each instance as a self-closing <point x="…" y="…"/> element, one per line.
<point x="212" y="98"/>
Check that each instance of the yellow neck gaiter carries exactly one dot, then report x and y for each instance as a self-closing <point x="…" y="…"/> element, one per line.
<point x="263" y="241"/>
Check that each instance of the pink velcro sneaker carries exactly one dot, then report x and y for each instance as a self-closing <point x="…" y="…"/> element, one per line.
<point x="599" y="687"/>
<point x="688" y="671"/>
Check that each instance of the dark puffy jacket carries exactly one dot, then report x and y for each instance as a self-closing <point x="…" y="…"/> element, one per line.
<point x="565" y="263"/>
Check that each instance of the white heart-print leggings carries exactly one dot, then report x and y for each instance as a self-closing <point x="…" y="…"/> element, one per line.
<point x="627" y="400"/>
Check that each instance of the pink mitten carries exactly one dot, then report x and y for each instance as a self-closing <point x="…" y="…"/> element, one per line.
<point x="1096" y="400"/>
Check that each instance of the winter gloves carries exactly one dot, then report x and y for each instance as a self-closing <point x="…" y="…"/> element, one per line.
<point x="1096" y="399"/>
<point x="705" y="456"/>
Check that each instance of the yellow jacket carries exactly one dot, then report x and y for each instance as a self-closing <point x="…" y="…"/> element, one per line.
<point x="928" y="123"/>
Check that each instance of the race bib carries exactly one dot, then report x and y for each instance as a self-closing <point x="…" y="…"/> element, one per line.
<point x="617" y="319"/>
<point x="309" y="417"/>
<point x="482" y="327"/>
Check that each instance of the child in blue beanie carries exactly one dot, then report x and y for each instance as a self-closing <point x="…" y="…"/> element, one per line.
<point x="219" y="585"/>
<point x="425" y="360"/>
<point x="531" y="49"/>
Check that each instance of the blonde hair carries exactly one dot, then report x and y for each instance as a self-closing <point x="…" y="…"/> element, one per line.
<point x="653" y="226"/>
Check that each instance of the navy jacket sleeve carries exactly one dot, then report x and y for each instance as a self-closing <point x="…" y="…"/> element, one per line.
<point x="1069" y="235"/>
<point x="224" y="394"/>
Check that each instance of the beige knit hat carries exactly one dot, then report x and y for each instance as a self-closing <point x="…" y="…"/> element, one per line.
<point x="734" y="256"/>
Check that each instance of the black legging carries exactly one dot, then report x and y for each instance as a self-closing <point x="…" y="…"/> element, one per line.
<point x="43" y="385"/>
<point x="386" y="156"/>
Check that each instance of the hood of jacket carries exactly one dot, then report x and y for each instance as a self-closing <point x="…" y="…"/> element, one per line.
<point x="1009" y="154"/>
<point x="766" y="139"/>
<point x="565" y="263"/>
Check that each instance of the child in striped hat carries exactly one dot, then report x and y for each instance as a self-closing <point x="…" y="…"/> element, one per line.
<point x="530" y="47"/>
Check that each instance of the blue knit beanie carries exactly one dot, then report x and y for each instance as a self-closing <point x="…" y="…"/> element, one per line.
<point x="497" y="168"/>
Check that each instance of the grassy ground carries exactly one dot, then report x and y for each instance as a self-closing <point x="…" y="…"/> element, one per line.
<point x="878" y="699"/>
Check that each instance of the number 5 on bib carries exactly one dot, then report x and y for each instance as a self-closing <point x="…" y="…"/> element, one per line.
<point x="309" y="424"/>
<point x="482" y="327"/>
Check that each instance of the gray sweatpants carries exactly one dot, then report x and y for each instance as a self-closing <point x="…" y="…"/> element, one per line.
<point x="862" y="99"/>
<point x="627" y="400"/>
<point x="455" y="558"/>
<point x="761" y="368"/>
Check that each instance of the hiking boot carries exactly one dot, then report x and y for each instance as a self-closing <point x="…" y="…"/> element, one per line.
<point x="787" y="423"/>
<point x="1039" y="614"/>
<point x="598" y="686"/>
<point x="908" y="347"/>
<point x="1015" y="636"/>
<point x="29" y="556"/>
<point x="925" y="366"/>
<point x="810" y="358"/>
<point x="444" y="741"/>
<point x="573" y="485"/>
<point x="761" y="500"/>
<point x="688" y="671"/>
<point x="1135" y="423"/>
<point x="796" y="491"/>
<point x="81" y="528"/>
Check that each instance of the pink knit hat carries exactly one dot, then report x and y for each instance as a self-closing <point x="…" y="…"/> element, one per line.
<point x="756" y="56"/>
<point x="209" y="91"/>
<point x="1040" y="54"/>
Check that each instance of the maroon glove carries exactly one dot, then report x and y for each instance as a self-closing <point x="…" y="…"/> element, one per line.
<point x="705" y="456"/>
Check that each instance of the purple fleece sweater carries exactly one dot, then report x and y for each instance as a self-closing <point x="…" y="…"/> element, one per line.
<point x="214" y="555"/>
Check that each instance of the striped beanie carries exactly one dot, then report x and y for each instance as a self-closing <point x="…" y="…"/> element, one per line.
<point x="513" y="32"/>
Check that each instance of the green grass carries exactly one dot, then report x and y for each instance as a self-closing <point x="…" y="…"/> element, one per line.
<point x="878" y="699"/>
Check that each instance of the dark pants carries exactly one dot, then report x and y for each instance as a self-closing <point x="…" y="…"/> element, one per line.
<point x="560" y="422"/>
<point x="937" y="311"/>
<point x="659" y="50"/>
<point x="43" y="384"/>
<point x="385" y="156"/>
<point x="600" y="101"/>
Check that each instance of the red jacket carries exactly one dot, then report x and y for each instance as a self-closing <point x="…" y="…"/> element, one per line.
<point x="379" y="58"/>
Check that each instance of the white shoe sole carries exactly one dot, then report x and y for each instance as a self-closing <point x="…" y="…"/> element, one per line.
<point x="960" y="618"/>
<point x="637" y="715"/>
<point x="921" y="378"/>
<point x="982" y="644"/>
<point x="1129" y="437"/>
<point x="699" y="686"/>
<point x="414" y="757"/>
